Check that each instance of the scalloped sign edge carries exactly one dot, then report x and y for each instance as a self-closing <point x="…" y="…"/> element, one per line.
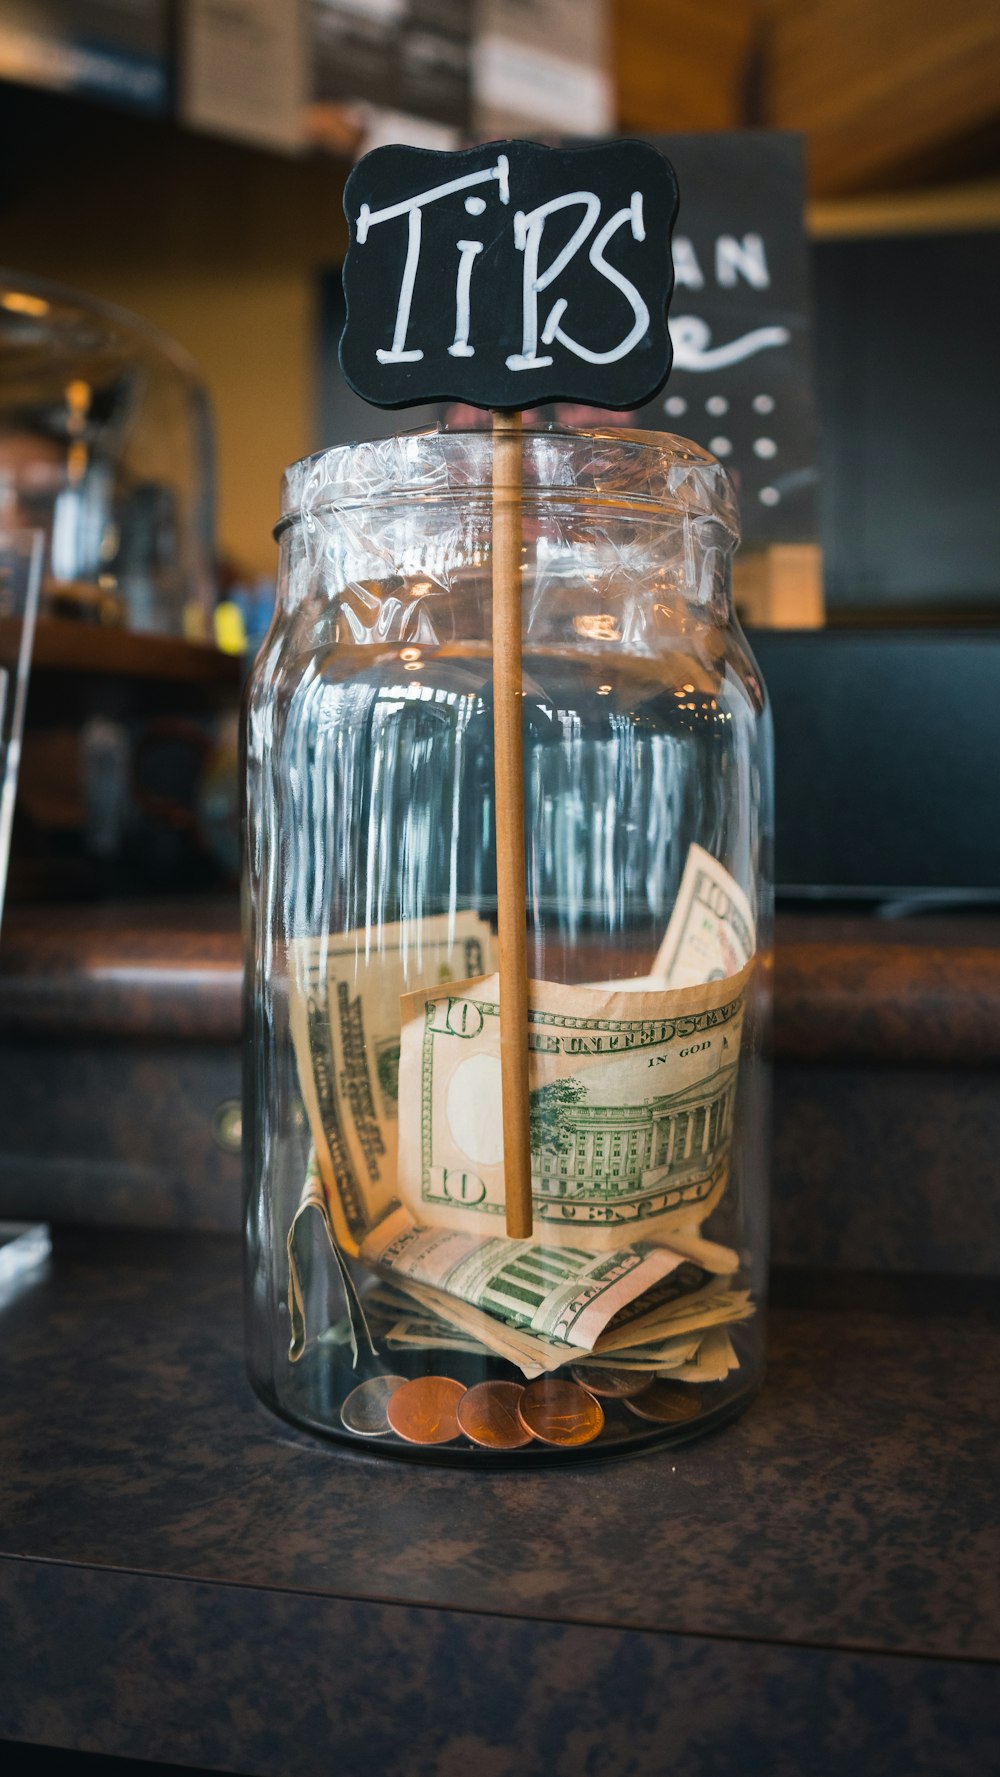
<point x="488" y="332"/>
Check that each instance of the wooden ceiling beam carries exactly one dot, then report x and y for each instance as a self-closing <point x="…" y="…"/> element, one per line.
<point x="881" y="87"/>
<point x="683" y="64"/>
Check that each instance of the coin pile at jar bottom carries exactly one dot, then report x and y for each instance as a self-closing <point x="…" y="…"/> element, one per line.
<point x="431" y="1410"/>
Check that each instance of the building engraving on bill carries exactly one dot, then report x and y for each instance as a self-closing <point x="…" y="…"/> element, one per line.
<point x="674" y="1142"/>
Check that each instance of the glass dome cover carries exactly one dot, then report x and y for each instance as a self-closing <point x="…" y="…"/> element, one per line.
<point x="106" y="443"/>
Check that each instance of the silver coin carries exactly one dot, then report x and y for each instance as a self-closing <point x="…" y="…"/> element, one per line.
<point x="363" y="1412"/>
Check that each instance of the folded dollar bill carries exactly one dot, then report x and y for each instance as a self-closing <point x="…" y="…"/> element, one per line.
<point x="711" y="932"/>
<point x="632" y="1101"/>
<point x="713" y="1361"/>
<point x="633" y="1086"/>
<point x="344" y="992"/>
<point x="568" y="1297"/>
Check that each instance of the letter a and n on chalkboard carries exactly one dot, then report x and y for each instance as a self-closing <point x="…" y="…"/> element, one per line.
<point x="509" y="275"/>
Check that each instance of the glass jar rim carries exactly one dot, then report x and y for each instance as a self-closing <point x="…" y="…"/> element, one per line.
<point x="637" y="468"/>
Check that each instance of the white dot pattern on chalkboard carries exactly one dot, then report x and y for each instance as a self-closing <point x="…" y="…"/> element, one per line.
<point x="763" y="404"/>
<point x="769" y="496"/>
<point x="675" y="405"/>
<point x="720" y="447"/>
<point x="475" y="205"/>
<point x="716" y="405"/>
<point x="765" y="447"/>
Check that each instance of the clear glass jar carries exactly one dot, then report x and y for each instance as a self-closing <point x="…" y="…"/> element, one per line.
<point x="376" y="1255"/>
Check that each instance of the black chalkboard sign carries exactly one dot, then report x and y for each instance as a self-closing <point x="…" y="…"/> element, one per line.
<point x="509" y="275"/>
<point x="741" y="323"/>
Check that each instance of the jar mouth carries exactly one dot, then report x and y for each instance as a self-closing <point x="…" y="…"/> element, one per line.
<point x="600" y="465"/>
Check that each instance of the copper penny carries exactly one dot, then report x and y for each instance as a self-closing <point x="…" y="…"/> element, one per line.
<point x="364" y="1413"/>
<point x="560" y="1412"/>
<point x="425" y="1410"/>
<point x="667" y="1403"/>
<point x="488" y="1415"/>
<point x="611" y="1385"/>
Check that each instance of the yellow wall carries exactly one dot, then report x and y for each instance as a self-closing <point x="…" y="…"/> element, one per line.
<point x="220" y="247"/>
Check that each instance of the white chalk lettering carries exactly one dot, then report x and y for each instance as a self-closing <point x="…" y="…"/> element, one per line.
<point x="687" y="271"/>
<point x="460" y="348"/>
<point x="735" y="259"/>
<point x="552" y="329"/>
<point x="399" y="354"/>
<point x="690" y="338"/>
<point x="528" y="232"/>
<point x="411" y="208"/>
<point x="528" y="239"/>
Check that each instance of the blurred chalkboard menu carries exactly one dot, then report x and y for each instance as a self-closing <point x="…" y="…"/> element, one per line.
<point x="740" y="320"/>
<point x="405" y="59"/>
<point x="109" y="49"/>
<point x="741" y="323"/>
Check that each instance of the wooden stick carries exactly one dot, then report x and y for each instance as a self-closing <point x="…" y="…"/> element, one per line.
<point x="508" y="752"/>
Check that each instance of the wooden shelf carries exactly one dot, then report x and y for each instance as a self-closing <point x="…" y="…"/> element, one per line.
<point x="938" y="209"/>
<point x="67" y="647"/>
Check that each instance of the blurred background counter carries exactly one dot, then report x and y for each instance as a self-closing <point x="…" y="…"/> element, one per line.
<point x="120" y="1080"/>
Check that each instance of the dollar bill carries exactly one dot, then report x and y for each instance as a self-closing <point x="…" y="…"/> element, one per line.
<point x="704" y="1357"/>
<point x="533" y="1355"/>
<point x="593" y="1181"/>
<point x="689" y="1358"/>
<point x="711" y="933"/>
<point x="632" y="1099"/>
<point x="438" y="1315"/>
<point x="411" y="1333"/>
<point x="396" y="1310"/>
<point x="647" y="1335"/>
<point x="713" y="1360"/>
<point x="683" y="1351"/>
<point x="313" y="1206"/>
<point x="344" y="993"/>
<point x="709" y="1254"/>
<point x="698" y="1358"/>
<point x="371" y="1313"/>
<point x="567" y="1296"/>
<point x="668" y="1349"/>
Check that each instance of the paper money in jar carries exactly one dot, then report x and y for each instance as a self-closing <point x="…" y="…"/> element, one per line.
<point x="632" y="1099"/>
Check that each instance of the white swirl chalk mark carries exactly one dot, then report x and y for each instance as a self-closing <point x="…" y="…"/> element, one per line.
<point x="690" y="336"/>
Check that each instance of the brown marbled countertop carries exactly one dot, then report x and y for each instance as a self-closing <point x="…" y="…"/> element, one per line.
<point x="847" y="989"/>
<point x="853" y="1505"/>
<point x="156" y="969"/>
<point x="184" y="1578"/>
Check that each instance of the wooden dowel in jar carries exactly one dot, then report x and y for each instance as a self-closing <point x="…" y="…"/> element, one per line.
<point x="508" y="752"/>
